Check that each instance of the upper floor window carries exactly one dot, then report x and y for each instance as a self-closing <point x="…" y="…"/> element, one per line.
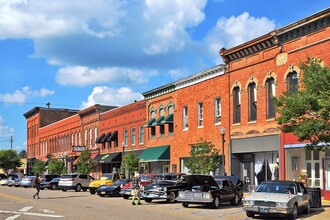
<point x="185" y="117"/>
<point x="252" y="102"/>
<point x="86" y="137"/>
<point x="236" y="105"/>
<point x="125" y="137"/>
<point x="200" y="114"/>
<point x="90" y="137"/>
<point x="270" y="97"/>
<point x="153" y="128"/>
<point x="95" y="135"/>
<point x="141" y="134"/>
<point x="133" y="136"/>
<point x="162" y="126"/>
<point x="171" y="124"/>
<point x="217" y="110"/>
<point x="292" y="82"/>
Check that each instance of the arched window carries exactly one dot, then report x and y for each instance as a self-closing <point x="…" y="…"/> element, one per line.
<point x="270" y="97"/>
<point x="236" y="105"/>
<point x="252" y="90"/>
<point x="90" y="138"/>
<point x="292" y="82"/>
<point x="86" y="138"/>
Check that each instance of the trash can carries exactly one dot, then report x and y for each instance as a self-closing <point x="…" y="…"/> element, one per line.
<point x="315" y="194"/>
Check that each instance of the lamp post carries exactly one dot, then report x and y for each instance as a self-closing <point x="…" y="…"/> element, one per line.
<point x="122" y="157"/>
<point x="222" y="131"/>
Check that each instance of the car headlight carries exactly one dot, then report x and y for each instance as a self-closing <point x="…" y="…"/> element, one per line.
<point x="248" y="202"/>
<point x="165" y="189"/>
<point x="281" y="204"/>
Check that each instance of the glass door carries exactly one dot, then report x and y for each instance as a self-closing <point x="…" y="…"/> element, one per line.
<point x="313" y="168"/>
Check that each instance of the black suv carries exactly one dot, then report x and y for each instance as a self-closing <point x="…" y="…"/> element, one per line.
<point x="45" y="179"/>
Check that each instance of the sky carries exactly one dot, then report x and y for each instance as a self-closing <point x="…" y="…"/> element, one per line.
<point x="77" y="53"/>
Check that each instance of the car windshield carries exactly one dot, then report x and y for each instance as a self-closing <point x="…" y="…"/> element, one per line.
<point x="120" y="181"/>
<point x="106" y="177"/>
<point x="283" y="188"/>
<point x="145" y="178"/>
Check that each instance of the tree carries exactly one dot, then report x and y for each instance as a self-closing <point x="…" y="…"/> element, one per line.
<point x="307" y="113"/>
<point x="9" y="160"/>
<point x="56" y="167"/>
<point x="84" y="162"/>
<point x="39" y="166"/>
<point x="204" y="158"/>
<point x="22" y="154"/>
<point x="131" y="163"/>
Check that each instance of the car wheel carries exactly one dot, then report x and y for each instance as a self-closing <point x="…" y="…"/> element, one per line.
<point x="294" y="213"/>
<point x="185" y="204"/>
<point x="249" y="214"/>
<point x="126" y="197"/>
<point x="64" y="190"/>
<point x="9" y="185"/>
<point x="171" y="197"/>
<point x="78" y="188"/>
<point x="308" y="208"/>
<point x="92" y="191"/>
<point x="216" y="202"/>
<point x="25" y="187"/>
<point x="235" y="200"/>
<point x="148" y="200"/>
<point x="53" y="187"/>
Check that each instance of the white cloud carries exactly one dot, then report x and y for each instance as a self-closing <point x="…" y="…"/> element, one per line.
<point x="20" y="96"/>
<point x="233" y="31"/>
<point x="5" y="131"/>
<point x="111" y="96"/>
<point x="178" y="73"/>
<point x="80" y="75"/>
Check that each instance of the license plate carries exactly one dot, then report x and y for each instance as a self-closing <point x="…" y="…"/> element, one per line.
<point x="102" y="192"/>
<point x="263" y="210"/>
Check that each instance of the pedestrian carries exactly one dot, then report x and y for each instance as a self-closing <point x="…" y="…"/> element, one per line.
<point x="37" y="181"/>
<point x="137" y="188"/>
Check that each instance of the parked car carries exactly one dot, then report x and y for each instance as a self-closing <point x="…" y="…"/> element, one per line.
<point x="163" y="188"/>
<point x="145" y="179"/>
<point x="28" y="181"/>
<point x="75" y="181"/>
<point x="105" y="179"/>
<point x="14" y="179"/>
<point x="278" y="197"/>
<point x="113" y="189"/>
<point x="45" y="180"/>
<point x="53" y="184"/>
<point x="204" y="189"/>
<point x="237" y="183"/>
<point x="3" y="179"/>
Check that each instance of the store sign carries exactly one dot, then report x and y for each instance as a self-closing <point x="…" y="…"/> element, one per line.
<point x="78" y="148"/>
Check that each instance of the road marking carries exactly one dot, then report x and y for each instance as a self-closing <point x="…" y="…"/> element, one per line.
<point x="46" y="211"/>
<point x="25" y="209"/>
<point x="12" y="217"/>
<point x="14" y="197"/>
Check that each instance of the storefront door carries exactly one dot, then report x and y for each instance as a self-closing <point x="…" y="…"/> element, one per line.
<point x="313" y="165"/>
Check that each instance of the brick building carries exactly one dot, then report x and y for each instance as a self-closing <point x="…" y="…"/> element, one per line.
<point x="121" y="130"/>
<point x="258" y="70"/>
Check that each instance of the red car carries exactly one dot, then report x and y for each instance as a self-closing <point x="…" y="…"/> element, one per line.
<point x="145" y="179"/>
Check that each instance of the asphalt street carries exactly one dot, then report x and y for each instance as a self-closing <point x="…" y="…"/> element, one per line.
<point x="17" y="203"/>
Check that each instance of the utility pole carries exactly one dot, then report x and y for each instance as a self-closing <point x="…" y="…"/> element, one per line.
<point x="11" y="142"/>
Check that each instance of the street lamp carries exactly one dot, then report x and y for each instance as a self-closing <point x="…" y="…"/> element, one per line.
<point x="122" y="157"/>
<point x="222" y="131"/>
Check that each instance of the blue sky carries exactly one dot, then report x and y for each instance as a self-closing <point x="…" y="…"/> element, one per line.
<point x="76" y="53"/>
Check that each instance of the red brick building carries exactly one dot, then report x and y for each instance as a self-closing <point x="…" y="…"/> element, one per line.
<point x="260" y="69"/>
<point x="121" y="130"/>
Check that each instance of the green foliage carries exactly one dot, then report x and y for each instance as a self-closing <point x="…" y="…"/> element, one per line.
<point x="22" y="154"/>
<point x="204" y="158"/>
<point x="39" y="166"/>
<point x="49" y="156"/>
<point x="307" y="113"/>
<point x="84" y="163"/>
<point x="131" y="163"/>
<point x="56" y="167"/>
<point x="9" y="160"/>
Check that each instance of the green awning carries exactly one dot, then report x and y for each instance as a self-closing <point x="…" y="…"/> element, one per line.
<point x="154" y="154"/>
<point x="98" y="140"/>
<point x="168" y="119"/>
<point x="150" y="123"/>
<point x="159" y="120"/>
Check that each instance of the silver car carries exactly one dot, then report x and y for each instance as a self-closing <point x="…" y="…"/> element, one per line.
<point x="283" y="198"/>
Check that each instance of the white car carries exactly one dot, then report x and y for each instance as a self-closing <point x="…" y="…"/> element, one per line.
<point x="283" y="198"/>
<point x="75" y="181"/>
